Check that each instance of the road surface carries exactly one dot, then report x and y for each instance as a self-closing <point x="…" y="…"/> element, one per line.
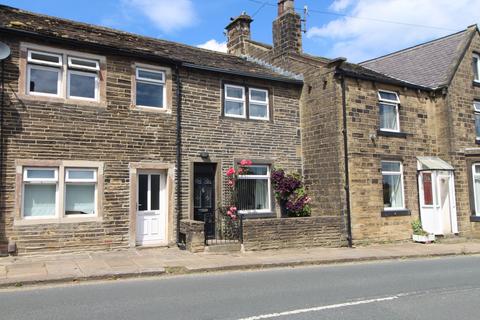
<point x="443" y="288"/>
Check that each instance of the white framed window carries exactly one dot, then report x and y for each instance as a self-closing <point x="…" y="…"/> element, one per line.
<point x="44" y="58"/>
<point x="83" y="64"/>
<point x="150" y="88"/>
<point x="392" y="181"/>
<point x="40" y="193"/>
<point x="258" y="104"/>
<point x="476" y="67"/>
<point x="82" y="85"/>
<point x="234" y="101"/>
<point x="61" y="74"/>
<point x="254" y="190"/>
<point x="149" y="191"/>
<point x="476" y="187"/>
<point x="80" y="192"/>
<point x="44" y="81"/>
<point x="476" y="110"/>
<point x="388" y="109"/>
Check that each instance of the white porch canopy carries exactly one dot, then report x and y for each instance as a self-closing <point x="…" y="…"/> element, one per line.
<point x="433" y="163"/>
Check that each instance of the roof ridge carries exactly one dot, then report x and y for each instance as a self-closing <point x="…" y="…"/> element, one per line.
<point x="414" y="47"/>
<point x="110" y="29"/>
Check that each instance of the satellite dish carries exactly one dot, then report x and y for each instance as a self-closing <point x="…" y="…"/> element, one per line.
<point x="4" y="51"/>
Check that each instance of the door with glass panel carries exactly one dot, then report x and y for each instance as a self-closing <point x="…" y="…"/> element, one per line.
<point x="437" y="202"/>
<point x="151" y="212"/>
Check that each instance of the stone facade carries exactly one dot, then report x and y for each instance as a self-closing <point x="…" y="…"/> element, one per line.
<point x="125" y="139"/>
<point x="262" y="234"/>
<point x="434" y="122"/>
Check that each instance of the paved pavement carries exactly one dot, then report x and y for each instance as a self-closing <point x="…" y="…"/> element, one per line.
<point x="148" y="262"/>
<point x="439" y="288"/>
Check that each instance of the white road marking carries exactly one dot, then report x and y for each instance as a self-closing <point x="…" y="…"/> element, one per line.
<point x="332" y="306"/>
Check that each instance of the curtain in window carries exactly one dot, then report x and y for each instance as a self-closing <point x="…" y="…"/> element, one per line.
<point x="80" y="199"/>
<point x="252" y="194"/>
<point x="392" y="191"/>
<point x="477" y="195"/>
<point x="388" y="117"/>
<point x="39" y="200"/>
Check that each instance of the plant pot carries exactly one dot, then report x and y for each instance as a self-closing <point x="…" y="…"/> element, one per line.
<point x="423" y="238"/>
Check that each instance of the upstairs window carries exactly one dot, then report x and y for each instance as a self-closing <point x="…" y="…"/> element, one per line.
<point x="476" y="110"/>
<point x="476" y="67"/>
<point x="45" y="72"/>
<point x="389" y="116"/>
<point x="476" y="187"/>
<point x="150" y="88"/>
<point x="235" y="101"/>
<point x="254" y="190"/>
<point x="392" y="178"/>
<point x="258" y="104"/>
<point x="245" y="102"/>
<point x="83" y="81"/>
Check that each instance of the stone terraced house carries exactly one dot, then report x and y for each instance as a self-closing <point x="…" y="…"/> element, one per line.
<point x="114" y="140"/>
<point x="389" y="140"/>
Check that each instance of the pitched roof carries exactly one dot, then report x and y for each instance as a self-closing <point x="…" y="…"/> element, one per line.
<point x="37" y="25"/>
<point x="431" y="64"/>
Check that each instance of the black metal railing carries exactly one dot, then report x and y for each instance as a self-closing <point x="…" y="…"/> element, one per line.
<point x="223" y="229"/>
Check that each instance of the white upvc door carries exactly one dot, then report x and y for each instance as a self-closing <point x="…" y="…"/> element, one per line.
<point x="151" y="209"/>
<point x="437" y="202"/>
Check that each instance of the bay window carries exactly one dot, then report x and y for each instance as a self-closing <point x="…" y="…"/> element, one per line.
<point x="388" y="109"/>
<point x="254" y="189"/>
<point x="392" y="180"/>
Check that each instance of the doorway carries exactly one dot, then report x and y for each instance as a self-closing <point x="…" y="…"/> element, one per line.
<point x="204" y="196"/>
<point x="437" y="202"/>
<point x="151" y="228"/>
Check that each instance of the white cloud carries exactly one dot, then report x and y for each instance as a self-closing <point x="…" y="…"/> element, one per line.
<point x="360" y="39"/>
<point x="214" y="45"/>
<point x="339" y="5"/>
<point x="167" y="15"/>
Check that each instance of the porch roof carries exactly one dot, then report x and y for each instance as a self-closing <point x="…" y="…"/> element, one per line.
<point x="433" y="163"/>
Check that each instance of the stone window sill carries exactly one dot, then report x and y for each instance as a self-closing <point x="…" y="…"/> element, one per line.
<point x="32" y="222"/>
<point x="391" y="134"/>
<point x="259" y="215"/>
<point x="474" y="218"/>
<point x="166" y="110"/>
<point x="396" y="213"/>
<point x="75" y="102"/>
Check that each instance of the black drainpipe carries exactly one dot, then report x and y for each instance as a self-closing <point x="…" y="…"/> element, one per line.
<point x="179" y="151"/>
<point x="347" y="174"/>
<point x="1" y="124"/>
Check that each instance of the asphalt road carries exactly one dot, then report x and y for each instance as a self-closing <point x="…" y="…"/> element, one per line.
<point x="446" y="288"/>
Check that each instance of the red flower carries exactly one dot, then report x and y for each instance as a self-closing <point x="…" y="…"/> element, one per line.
<point x="231" y="183"/>
<point x="246" y="162"/>
<point x="230" y="172"/>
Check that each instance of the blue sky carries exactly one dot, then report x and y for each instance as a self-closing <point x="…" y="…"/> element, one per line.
<point x="356" y="29"/>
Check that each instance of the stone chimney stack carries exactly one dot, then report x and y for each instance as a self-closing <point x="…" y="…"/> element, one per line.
<point x="237" y="32"/>
<point x="287" y="28"/>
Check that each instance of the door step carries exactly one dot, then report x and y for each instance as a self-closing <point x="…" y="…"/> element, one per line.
<point x="223" y="248"/>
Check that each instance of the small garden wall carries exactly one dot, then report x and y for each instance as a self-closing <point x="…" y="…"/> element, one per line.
<point x="265" y="234"/>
